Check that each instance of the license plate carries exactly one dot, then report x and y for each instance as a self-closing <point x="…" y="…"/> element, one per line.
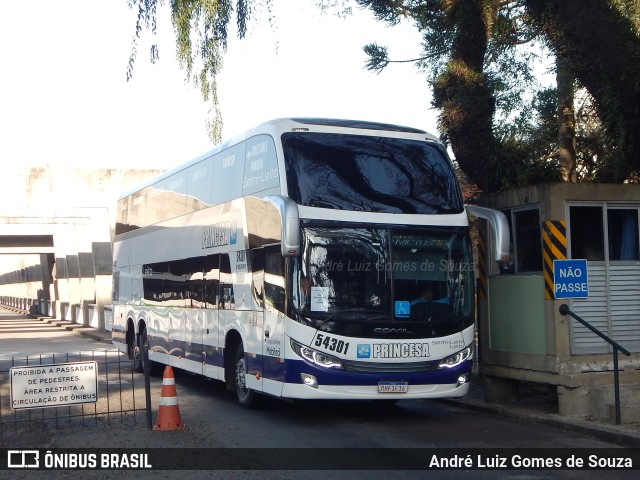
<point x="393" y="387"/>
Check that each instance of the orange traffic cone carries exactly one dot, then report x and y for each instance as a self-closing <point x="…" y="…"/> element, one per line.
<point x="168" y="412"/>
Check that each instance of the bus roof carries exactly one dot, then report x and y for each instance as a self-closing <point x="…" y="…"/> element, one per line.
<point x="287" y="124"/>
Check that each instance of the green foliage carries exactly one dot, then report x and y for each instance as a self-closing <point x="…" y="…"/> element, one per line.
<point x="201" y="28"/>
<point x="146" y="19"/>
<point x="599" y="39"/>
<point x="600" y="43"/>
<point x="378" y="57"/>
<point x="482" y="58"/>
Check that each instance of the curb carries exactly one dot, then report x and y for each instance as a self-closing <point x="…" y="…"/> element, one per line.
<point x="93" y="335"/>
<point x="88" y="332"/>
<point x="620" y="435"/>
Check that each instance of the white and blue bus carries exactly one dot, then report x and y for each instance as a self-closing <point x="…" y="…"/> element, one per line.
<point x="306" y="259"/>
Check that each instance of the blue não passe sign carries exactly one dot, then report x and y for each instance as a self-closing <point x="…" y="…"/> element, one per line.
<point x="570" y="279"/>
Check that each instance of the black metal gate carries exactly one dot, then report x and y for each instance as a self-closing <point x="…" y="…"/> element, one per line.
<point x="121" y="395"/>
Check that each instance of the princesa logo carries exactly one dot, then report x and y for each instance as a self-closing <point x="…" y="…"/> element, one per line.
<point x="219" y="234"/>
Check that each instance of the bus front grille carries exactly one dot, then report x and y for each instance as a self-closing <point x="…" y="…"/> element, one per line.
<point x="376" y="367"/>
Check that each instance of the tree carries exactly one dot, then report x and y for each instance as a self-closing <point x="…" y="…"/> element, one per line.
<point x="201" y="28"/>
<point x="600" y="43"/>
<point x="580" y="33"/>
<point x="566" y="121"/>
<point x="479" y="71"/>
<point x="478" y="57"/>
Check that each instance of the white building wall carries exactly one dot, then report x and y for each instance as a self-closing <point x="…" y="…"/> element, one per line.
<point x="76" y="208"/>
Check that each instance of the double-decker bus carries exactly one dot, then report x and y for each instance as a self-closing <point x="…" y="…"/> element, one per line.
<point x="304" y="259"/>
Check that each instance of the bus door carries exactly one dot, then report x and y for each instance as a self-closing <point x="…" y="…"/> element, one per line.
<point x="195" y="317"/>
<point x="212" y="353"/>
<point x="273" y="300"/>
<point x="245" y="313"/>
<point x="120" y="294"/>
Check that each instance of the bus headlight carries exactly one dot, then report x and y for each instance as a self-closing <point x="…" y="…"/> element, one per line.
<point x="457" y="358"/>
<point x="315" y="357"/>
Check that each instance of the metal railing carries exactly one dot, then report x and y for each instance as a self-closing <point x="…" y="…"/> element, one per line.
<point x="564" y="310"/>
<point x="123" y="395"/>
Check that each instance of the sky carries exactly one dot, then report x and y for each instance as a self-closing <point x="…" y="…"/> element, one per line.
<point x="65" y="100"/>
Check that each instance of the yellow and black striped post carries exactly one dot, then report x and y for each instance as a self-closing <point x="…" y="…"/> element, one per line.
<point x="554" y="240"/>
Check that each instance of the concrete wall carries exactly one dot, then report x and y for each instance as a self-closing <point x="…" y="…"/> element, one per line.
<point x="56" y="232"/>
<point x="518" y="317"/>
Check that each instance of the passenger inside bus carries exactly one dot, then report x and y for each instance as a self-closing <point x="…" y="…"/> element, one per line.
<point x="428" y="295"/>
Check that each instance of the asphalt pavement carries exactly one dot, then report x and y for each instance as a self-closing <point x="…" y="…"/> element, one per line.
<point x="534" y="407"/>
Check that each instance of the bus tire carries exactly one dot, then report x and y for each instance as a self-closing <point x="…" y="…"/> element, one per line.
<point x="138" y="361"/>
<point x="136" y="353"/>
<point x="246" y="397"/>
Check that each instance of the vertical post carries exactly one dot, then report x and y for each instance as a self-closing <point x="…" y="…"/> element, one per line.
<point x="616" y="384"/>
<point x="147" y="383"/>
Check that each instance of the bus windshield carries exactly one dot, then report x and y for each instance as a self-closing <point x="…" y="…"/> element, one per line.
<point x="418" y="283"/>
<point x="366" y="173"/>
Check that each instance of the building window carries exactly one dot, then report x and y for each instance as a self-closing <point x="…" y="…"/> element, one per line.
<point x="622" y="231"/>
<point x="526" y="241"/>
<point x="607" y="235"/>
<point x="587" y="233"/>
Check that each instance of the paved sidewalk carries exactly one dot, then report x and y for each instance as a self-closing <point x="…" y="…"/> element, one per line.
<point x="535" y="407"/>
<point x="539" y="408"/>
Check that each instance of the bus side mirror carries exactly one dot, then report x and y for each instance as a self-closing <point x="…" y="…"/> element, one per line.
<point x="499" y="228"/>
<point x="289" y="224"/>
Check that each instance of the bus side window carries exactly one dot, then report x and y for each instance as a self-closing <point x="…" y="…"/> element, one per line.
<point x="192" y="270"/>
<point x="211" y="280"/>
<point x="226" y="298"/>
<point x="257" y="282"/>
<point x="174" y="285"/>
<point x="152" y="283"/>
<point x="274" y="284"/>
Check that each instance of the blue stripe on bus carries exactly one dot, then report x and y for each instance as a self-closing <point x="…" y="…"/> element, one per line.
<point x="213" y="356"/>
<point x="339" y="377"/>
<point x="290" y="370"/>
<point x="196" y="352"/>
<point x="273" y="368"/>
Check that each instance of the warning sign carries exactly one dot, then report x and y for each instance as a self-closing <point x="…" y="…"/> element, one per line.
<point x="570" y="279"/>
<point x="54" y="385"/>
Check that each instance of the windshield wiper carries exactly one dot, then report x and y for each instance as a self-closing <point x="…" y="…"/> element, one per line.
<point x="304" y="313"/>
<point x="352" y="311"/>
<point x="325" y="319"/>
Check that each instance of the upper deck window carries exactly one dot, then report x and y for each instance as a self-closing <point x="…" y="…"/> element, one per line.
<point x="365" y="173"/>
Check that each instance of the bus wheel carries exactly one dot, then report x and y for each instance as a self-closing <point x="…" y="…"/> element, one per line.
<point x="246" y="397"/>
<point x="155" y="368"/>
<point x="136" y="357"/>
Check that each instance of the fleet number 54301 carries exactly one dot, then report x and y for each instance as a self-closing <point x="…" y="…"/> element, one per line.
<point x="331" y="343"/>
